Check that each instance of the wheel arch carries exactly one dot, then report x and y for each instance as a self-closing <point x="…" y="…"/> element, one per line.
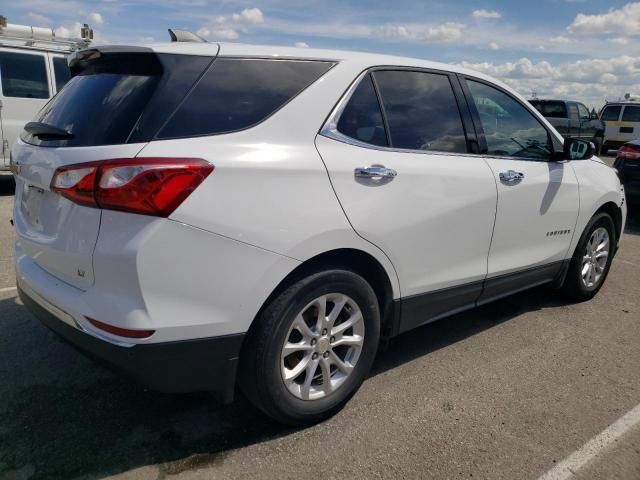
<point x="357" y="261"/>
<point x="613" y="210"/>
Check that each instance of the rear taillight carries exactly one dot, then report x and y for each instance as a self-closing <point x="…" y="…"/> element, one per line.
<point x="630" y="152"/>
<point x="149" y="186"/>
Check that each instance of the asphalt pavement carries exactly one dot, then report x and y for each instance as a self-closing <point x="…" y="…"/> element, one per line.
<point x="506" y="391"/>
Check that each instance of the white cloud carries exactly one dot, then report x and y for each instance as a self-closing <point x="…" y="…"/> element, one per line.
<point x="446" y="32"/>
<point x="494" y="46"/>
<point x="486" y="14"/>
<point x="218" y="33"/>
<point x="621" y="20"/>
<point x="249" y="16"/>
<point x="230" y="27"/>
<point x="96" y="18"/>
<point x="69" y="30"/>
<point x="301" y="45"/>
<point x="38" y="19"/>
<point x="619" y="40"/>
<point x="560" y="39"/>
<point x="392" y="31"/>
<point x="592" y="80"/>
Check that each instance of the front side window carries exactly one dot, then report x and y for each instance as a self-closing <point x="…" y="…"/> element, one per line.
<point x="362" y="118"/>
<point x="631" y="114"/>
<point x="61" y="72"/>
<point x="421" y="110"/>
<point x="611" y="114"/>
<point x="23" y="75"/>
<point x="235" y="94"/>
<point x="509" y="128"/>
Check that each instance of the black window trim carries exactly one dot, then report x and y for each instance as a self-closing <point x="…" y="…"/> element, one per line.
<point x="555" y="142"/>
<point x="329" y="127"/>
<point x="331" y="63"/>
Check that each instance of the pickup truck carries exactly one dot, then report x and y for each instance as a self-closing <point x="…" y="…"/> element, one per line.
<point x="572" y="119"/>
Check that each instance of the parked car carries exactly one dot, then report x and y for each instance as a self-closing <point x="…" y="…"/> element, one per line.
<point x="202" y="215"/>
<point x="33" y="68"/>
<point x="572" y="119"/>
<point x="628" y="166"/>
<point x="622" y="123"/>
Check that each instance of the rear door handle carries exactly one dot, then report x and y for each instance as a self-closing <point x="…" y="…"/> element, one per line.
<point x="375" y="172"/>
<point x="511" y="176"/>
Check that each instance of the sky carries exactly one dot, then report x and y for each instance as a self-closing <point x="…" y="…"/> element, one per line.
<point x="571" y="49"/>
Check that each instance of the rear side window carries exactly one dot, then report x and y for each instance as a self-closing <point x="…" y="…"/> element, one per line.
<point x="235" y="94"/>
<point x="573" y="111"/>
<point x="631" y="114"/>
<point x="23" y="75"/>
<point x="421" y="110"/>
<point x="61" y="72"/>
<point x="551" y="109"/>
<point x="362" y="118"/>
<point x="611" y="114"/>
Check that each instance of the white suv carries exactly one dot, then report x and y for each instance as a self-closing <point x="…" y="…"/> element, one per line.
<point x="204" y="216"/>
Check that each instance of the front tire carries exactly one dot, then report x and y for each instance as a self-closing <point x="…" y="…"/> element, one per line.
<point x="591" y="260"/>
<point x="311" y="347"/>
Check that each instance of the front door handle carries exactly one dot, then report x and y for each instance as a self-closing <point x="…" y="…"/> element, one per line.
<point x="375" y="172"/>
<point x="511" y="176"/>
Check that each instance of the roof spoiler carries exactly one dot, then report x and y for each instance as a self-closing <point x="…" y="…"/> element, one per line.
<point x="185" y="36"/>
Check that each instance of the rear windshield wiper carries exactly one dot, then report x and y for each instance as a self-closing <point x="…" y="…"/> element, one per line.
<point x="44" y="131"/>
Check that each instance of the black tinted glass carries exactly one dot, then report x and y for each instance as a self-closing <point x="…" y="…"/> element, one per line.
<point x="97" y="109"/>
<point x="550" y="109"/>
<point x="509" y="128"/>
<point x="23" y="75"/>
<point x="631" y="114"/>
<point x="61" y="72"/>
<point x="611" y="114"/>
<point x="361" y="118"/>
<point x="235" y="94"/>
<point x="421" y="111"/>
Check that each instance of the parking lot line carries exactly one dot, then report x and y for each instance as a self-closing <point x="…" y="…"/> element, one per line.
<point x="7" y="289"/>
<point x="578" y="459"/>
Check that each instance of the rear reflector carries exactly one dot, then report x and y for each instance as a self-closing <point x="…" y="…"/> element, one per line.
<point x="148" y="186"/>
<point x="631" y="152"/>
<point x="121" y="332"/>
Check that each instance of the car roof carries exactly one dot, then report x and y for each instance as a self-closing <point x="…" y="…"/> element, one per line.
<point x="304" y="53"/>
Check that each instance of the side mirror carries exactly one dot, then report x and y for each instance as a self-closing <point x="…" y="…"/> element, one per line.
<point x="575" y="149"/>
<point x="594" y="116"/>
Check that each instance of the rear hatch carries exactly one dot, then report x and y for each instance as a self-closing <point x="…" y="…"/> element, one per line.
<point x="112" y="107"/>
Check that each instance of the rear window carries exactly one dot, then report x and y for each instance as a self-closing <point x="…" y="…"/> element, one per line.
<point x="631" y="114"/>
<point x="235" y="94"/>
<point x="103" y="103"/>
<point x="23" y="75"/>
<point x="550" y="109"/>
<point x="611" y="114"/>
<point x="362" y="117"/>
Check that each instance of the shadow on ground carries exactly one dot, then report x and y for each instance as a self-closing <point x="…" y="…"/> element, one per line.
<point x="65" y="417"/>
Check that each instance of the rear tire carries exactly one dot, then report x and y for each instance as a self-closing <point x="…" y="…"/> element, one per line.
<point x="303" y="359"/>
<point x="591" y="260"/>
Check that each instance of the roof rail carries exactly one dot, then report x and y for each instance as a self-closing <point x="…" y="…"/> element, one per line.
<point x="185" y="36"/>
<point x="40" y="38"/>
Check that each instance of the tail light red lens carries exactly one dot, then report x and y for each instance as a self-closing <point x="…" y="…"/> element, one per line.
<point x="119" y="331"/>
<point x="630" y="152"/>
<point x="148" y="186"/>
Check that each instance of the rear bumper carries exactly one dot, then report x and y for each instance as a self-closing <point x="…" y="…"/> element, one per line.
<point x="206" y="364"/>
